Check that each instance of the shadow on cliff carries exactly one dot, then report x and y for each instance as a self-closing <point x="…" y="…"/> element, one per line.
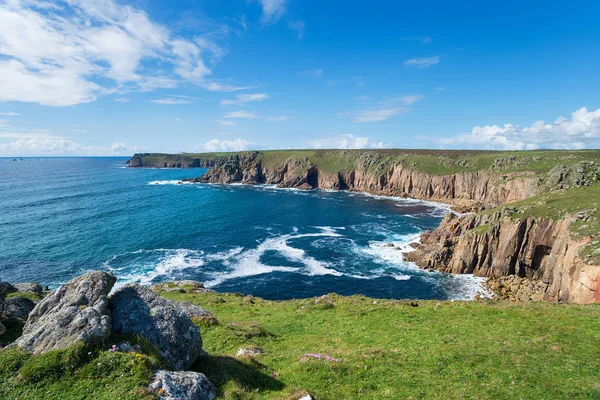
<point x="249" y="374"/>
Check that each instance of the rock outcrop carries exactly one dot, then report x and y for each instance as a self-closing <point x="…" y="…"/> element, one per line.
<point x="497" y="245"/>
<point x="17" y="307"/>
<point x="137" y="310"/>
<point x="467" y="190"/>
<point x="168" y="385"/>
<point x="76" y="312"/>
<point x="30" y="287"/>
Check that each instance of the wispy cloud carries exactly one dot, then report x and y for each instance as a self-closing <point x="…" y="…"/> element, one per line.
<point x="272" y="10"/>
<point x="422" y="62"/>
<point x="363" y="98"/>
<point x="122" y="100"/>
<point x="227" y="145"/>
<point x="172" y="101"/>
<point x="404" y="100"/>
<point x="277" y="119"/>
<point x="346" y="141"/>
<point x="240" y="115"/>
<point x="77" y="51"/>
<point x="582" y="130"/>
<point x="312" y="73"/>
<point x="245" y="98"/>
<point x="297" y="26"/>
<point x="10" y="114"/>
<point x="79" y="130"/>
<point x="225" y="122"/>
<point x="421" y="39"/>
<point x="384" y="110"/>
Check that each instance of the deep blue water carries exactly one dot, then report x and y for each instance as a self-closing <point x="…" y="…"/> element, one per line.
<point x="60" y="217"/>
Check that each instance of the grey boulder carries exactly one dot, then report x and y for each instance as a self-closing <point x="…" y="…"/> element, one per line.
<point x="75" y="312"/>
<point x="186" y="385"/>
<point x="192" y="310"/>
<point x="31" y="287"/>
<point x="137" y="310"/>
<point x="17" y="307"/>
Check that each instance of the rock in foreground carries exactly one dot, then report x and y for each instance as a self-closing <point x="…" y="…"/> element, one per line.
<point x="75" y="312"/>
<point x="137" y="310"/>
<point x="186" y="385"/>
<point x="18" y="307"/>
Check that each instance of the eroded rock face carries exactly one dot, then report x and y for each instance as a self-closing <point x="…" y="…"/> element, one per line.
<point x="169" y="385"/>
<point x="496" y="245"/>
<point x="75" y="312"/>
<point x="137" y="310"/>
<point x="17" y="307"/>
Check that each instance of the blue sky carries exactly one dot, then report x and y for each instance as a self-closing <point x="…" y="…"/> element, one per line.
<point x="107" y="77"/>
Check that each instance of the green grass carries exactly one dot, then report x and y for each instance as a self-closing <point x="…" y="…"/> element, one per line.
<point x="385" y="350"/>
<point x="75" y="374"/>
<point x="388" y="349"/>
<point x="30" y="295"/>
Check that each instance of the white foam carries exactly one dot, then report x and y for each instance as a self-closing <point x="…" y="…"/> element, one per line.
<point x="170" y="182"/>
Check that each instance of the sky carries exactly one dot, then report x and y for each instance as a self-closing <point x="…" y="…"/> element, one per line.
<point x="110" y="77"/>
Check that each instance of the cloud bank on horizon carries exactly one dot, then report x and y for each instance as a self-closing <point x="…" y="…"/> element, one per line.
<point x="105" y="77"/>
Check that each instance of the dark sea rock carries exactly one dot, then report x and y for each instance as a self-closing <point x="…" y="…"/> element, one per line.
<point x="31" y="287"/>
<point x="18" y="307"/>
<point x="137" y="310"/>
<point x="6" y="288"/>
<point x="76" y="312"/>
<point x="186" y="385"/>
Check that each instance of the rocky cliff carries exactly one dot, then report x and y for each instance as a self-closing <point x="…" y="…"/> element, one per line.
<point x="540" y="251"/>
<point x="466" y="190"/>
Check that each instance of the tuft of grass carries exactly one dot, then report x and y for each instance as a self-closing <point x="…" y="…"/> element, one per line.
<point x="30" y="295"/>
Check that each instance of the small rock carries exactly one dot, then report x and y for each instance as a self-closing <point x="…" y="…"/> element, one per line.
<point x="137" y="310"/>
<point x="248" y="352"/>
<point x="168" y="385"/>
<point x="31" y="287"/>
<point x="75" y="312"/>
<point x="414" y="304"/>
<point x="18" y="307"/>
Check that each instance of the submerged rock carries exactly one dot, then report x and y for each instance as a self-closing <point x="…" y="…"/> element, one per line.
<point x="186" y="385"/>
<point x="18" y="307"/>
<point x="137" y="310"/>
<point x="75" y="312"/>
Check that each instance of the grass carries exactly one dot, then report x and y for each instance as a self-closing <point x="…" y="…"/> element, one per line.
<point x="389" y="349"/>
<point x="30" y="295"/>
<point x="370" y="349"/>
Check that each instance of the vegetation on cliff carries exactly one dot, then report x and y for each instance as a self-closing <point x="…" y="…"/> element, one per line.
<point x="182" y="160"/>
<point x="346" y="347"/>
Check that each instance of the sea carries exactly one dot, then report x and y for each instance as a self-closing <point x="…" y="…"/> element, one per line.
<point x="61" y="217"/>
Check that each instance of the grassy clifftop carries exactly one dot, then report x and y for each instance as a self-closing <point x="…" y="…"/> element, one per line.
<point x="348" y="347"/>
<point x="438" y="162"/>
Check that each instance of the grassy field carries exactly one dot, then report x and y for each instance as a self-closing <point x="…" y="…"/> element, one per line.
<point x="348" y="348"/>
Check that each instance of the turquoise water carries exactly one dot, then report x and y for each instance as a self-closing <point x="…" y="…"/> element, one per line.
<point x="60" y="217"/>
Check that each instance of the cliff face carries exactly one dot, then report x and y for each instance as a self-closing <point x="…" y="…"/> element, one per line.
<point x="495" y="245"/>
<point x="157" y="160"/>
<point x="466" y="190"/>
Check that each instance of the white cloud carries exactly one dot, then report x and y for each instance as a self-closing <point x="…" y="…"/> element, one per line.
<point x="313" y="73"/>
<point x="216" y="86"/>
<point x="278" y="119"/>
<point x="362" y="98"/>
<point x="346" y="141"/>
<point x="422" y="62"/>
<point x="79" y="130"/>
<point x="227" y="145"/>
<point x="61" y="53"/>
<point x="172" y="101"/>
<point x="245" y="98"/>
<point x="297" y="26"/>
<point x="375" y="115"/>
<point x="122" y="100"/>
<point x="240" y="115"/>
<point x="405" y="100"/>
<point x="582" y="130"/>
<point x="440" y="88"/>
<point x="50" y="145"/>
<point x="225" y="123"/>
<point x="273" y="10"/>
<point x="10" y="114"/>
